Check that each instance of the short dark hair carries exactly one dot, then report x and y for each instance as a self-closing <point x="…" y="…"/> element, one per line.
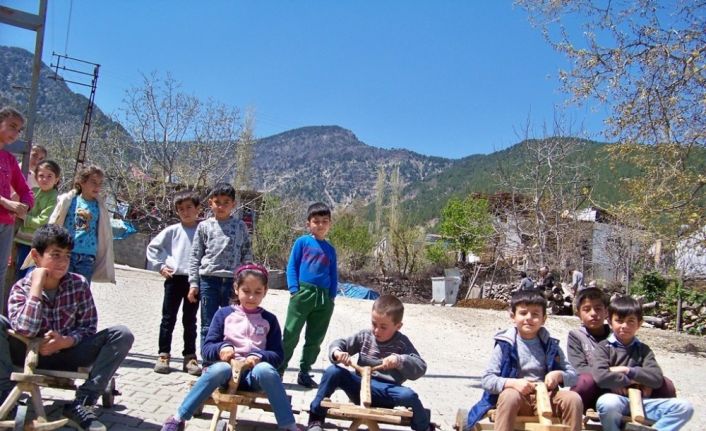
<point x="528" y="297"/>
<point x="318" y="209"/>
<point x="624" y="306"/>
<point x="222" y="189"/>
<point x="52" y="234"/>
<point x="10" y="112"/>
<point x="523" y="274"/>
<point x="390" y="306"/>
<point x="187" y="195"/>
<point x="590" y="293"/>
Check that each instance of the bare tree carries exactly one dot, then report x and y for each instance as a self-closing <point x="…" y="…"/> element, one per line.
<point x="243" y="180"/>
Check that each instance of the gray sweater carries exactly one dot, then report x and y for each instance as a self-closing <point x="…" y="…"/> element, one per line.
<point x="371" y="352"/>
<point x="637" y="356"/>
<point x="581" y="346"/>
<point x="219" y="248"/>
<point x="172" y="248"/>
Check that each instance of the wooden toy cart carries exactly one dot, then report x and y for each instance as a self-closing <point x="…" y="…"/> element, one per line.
<point x="29" y="380"/>
<point x="635" y="422"/>
<point x="364" y="414"/>
<point x="230" y="399"/>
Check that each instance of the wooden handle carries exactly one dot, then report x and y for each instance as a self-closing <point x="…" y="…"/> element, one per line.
<point x="637" y="412"/>
<point x="366" y="398"/>
<point x="544" y="404"/>
<point x="238" y="366"/>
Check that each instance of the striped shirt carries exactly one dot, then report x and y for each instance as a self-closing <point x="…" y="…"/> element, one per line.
<point x="71" y="312"/>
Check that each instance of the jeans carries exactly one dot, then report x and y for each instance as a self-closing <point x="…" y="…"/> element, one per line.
<point x="82" y="264"/>
<point x="6" y="235"/>
<point x="22" y="252"/>
<point x="263" y="377"/>
<point x="104" y="351"/>
<point x="669" y="414"/>
<point x="383" y="394"/>
<point x="176" y="290"/>
<point x="214" y="293"/>
<point x="589" y="391"/>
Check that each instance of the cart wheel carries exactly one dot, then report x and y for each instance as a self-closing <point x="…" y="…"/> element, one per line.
<point x="199" y="410"/>
<point x="222" y="425"/>
<point x="20" y="416"/>
<point x="109" y="394"/>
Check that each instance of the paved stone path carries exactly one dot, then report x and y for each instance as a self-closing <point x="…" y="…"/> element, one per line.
<point x="455" y="342"/>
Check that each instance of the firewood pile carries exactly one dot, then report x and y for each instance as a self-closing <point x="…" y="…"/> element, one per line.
<point x="693" y="316"/>
<point x="559" y="300"/>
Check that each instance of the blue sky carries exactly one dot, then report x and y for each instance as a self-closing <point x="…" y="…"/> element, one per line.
<point x="443" y="78"/>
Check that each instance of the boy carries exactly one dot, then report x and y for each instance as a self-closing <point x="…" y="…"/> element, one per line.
<point x="220" y="245"/>
<point x="57" y="305"/>
<point x="591" y="306"/>
<point x="383" y="345"/>
<point x="312" y="278"/>
<point x="169" y="253"/>
<point x="622" y="360"/>
<point x="523" y="355"/>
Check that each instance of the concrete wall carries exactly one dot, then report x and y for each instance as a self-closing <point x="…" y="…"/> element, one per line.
<point x="131" y="251"/>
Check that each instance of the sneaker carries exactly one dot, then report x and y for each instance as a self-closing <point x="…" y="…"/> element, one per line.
<point x="172" y="424"/>
<point x="304" y="379"/>
<point x="315" y="426"/>
<point x="191" y="365"/>
<point x="162" y="364"/>
<point x="82" y="417"/>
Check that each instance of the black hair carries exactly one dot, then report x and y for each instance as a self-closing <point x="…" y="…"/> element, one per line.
<point x="390" y="306"/>
<point x="528" y="297"/>
<point x="187" y="195"/>
<point x="318" y="209"/>
<point x="52" y="234"/>
<point x="523" y="274"/>
<point x="84" y="173"/>
<point x="222" y="189"/>
<point x="52" y="166"/>
<point x="590" y="293"/>
<point x="241" y="274"/>
<point x="10" y="112"/>
<point x="625" y="306"/>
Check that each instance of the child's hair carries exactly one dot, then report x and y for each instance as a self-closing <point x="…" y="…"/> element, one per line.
<point x="52" y="234"/>
<point x="523" y="274"/>
<point x="187" y="195"/>
<point x="528" y="297"/>
<point x="256" y="270"/>
<point x="318" y="209"/>
<point x="10" y="112"/>
<point x="625" y="306"/>
<point x="83" y="173"/>
<point x="41" y="148"/>
<point x="390" y="306"/>
<point x="222" y="189"/>
<point x="49" y="165"/>
<point x="591" y="294"/>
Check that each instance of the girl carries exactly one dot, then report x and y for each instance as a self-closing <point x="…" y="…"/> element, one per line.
<point x="242" y="331"/>
<point x="47" y="175"/>
<point x="82" y="212"/>
<point x="11" y="124"/>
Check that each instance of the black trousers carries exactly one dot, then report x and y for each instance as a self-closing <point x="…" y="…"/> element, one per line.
<point x="176" y="290"/>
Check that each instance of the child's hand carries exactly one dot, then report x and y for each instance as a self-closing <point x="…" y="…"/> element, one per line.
<point x="38" y="277"/>
<point x="252" y="361"/>
<point x="53" y="342"/>
<point x="18" y="208"/>
<point x="553" y="379"/>
<point x="621" y="369"/>
<point x="390" y="363"/>
<point x="167" y="272"/>
<point x="523" y="386"/>
<point x="342" y="357"/>
<point x="226" y="354"/>
<point x="193" y="295"/>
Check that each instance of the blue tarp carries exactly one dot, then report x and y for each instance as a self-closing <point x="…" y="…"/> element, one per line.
<point x="121" y="228"/>
<point x="351" y="290"/>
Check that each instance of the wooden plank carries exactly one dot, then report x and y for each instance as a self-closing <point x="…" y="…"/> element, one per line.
<point x="366" y="398"/>
<point x="544" y="404"/>
<point x="637" y="413"/>
<point x="341" y="414"/>
<point x="377" y="410"/>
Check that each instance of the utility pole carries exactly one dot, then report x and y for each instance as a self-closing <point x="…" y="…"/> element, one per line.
<point x="36" y="23"/>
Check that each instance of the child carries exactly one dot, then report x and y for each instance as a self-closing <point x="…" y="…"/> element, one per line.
<point x="312" y="278"/>
<point x="11" y="124"/>
<point x="591" y="306"/>
<point x="82" y="212"/>
<point x="525" y="354"/>
<point x="384" y="345"/>
<point x="169" y="253"/>
<point x="36" y="155"/>
<point x="526" y="283"/>
<point x="220" y="244"/>
<point x="47" y="177"/>
<point x="622" y="360"/>
<point x="243" y="331"/>
<point x="57" y="305"/>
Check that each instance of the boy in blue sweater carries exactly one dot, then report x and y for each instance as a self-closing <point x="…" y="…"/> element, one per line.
<point x="169" y="253"/>
<point x="312" y="278"/>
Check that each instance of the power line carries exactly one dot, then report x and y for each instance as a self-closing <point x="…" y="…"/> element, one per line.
<point x="68" y="27"/>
